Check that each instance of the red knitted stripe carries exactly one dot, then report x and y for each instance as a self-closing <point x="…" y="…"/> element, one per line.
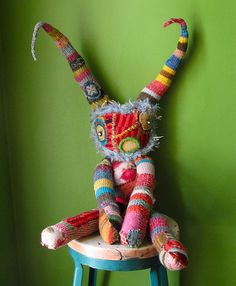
<point x="142" y="197"/>
<point x="73" y="56"/>
<point x="83" y="218"/>
<point x="124" y="121"/>
<point x="47" y="27"/>
<point x="82" y="75"/>
<point x="157" y="87"/>
<point x="146" y="180"/>
<point x="138" y="209"/>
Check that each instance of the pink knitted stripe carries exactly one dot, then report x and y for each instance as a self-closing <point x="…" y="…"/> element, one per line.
<point x="179" y="54"/>
<point x="157" y="87"/>
<point x="82" y="75"/>
<point x="130" y="224"/>
<point x="72" y="57"/>
<point x="157" y="221"/>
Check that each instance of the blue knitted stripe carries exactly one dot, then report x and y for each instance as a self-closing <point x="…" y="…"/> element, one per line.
<point x="102" y="174"/>
<point x="104" y="190"/>
<point x="145" y="160"/>
<point x="184" y="32"/>
<point x="173" y="62"/>
<point x="140" y="203"/>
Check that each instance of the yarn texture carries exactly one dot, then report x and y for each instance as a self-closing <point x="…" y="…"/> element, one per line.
<point x="124" y="181"/>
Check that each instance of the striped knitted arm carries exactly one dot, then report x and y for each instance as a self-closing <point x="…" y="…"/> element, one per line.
<point x="70" y="228"/>
<point x="172" y="253"/>
<point x="110" y="219"/>
<point x="140" y="204"/>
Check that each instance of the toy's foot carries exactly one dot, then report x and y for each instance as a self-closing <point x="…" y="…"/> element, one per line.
<point x="133" y="238"/>
<point x="52" y="238"/>
<point x="109" y="228"/>
<point x="173" y="255"/>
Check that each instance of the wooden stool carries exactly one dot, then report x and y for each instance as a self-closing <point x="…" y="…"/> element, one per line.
<point x="95" y="253"/>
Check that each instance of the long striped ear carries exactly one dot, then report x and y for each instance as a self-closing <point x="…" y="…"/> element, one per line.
<point x="158" y="87"/>
<point x="92" y="90"/>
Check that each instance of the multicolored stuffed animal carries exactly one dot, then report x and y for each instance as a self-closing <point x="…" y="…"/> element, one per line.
<point x="124" y="180"/>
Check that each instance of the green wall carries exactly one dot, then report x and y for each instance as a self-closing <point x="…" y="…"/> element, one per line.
<point x="8" y="236"/>
<point x="52" y="157"/>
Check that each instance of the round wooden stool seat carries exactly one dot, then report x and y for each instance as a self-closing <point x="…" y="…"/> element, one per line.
<point x="94" y="247"/>
<point x="92" y="251"/>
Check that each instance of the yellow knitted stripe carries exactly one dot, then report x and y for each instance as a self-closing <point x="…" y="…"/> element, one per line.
<point x="56" y="35"/>
<point x="103" y="183"/>
<point x="164" y="80"/>
<point x="79" y="71"/>
<point x="100" y="102"/>
<point x="169" y="70"/>
<point x="183" y="40"/>
<point x="62" y="42"/>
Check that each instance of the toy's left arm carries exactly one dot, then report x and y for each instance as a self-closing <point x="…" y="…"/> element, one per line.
<point x="140" y="204"/>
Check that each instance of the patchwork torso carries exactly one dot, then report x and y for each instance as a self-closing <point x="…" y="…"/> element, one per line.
<point x="125" y="178"/>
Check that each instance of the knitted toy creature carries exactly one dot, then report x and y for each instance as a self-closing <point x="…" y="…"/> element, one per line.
<point x="124" y="180"/>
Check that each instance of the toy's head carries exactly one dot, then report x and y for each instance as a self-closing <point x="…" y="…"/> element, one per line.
<point x="121" y="132"/>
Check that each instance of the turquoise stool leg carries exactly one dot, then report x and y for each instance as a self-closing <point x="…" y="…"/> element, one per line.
<point x="78" y="273"/>
<point x="92" y="276"/>
<point x="158" y="276"/>
<point x="163" y="276"/>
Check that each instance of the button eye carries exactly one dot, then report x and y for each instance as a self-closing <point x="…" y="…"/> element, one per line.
<point x="145" y="120"/>
<point x="100" y="128"/>
<point x="100" y="132"/>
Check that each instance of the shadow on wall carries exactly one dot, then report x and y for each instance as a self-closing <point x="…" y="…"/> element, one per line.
<point x="169" y="198"/>
<point x="169" y="193"/>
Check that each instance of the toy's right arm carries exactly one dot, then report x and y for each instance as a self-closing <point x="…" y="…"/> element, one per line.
<point x="110" y="219"/>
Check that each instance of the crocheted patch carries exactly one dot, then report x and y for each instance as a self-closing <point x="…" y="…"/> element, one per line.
<point x="129" y="145"/>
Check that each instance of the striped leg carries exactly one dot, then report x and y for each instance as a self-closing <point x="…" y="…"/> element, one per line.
<point x="172" y="253"/>
<point x="71" y="228"/>
<point x="136" y="219"/>
<point x="110" y="219"/>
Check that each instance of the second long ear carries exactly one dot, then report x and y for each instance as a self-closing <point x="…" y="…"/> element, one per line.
<point x="159" y="86"/>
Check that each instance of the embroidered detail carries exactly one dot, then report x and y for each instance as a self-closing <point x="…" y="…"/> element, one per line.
<point x="129" y="145"/>
<point x="145" y="120"/>
<point x="92" y="90"/>
<point x="133" y="127"/>
<point x="113" y="133"/>
<point x="101" y="131"/>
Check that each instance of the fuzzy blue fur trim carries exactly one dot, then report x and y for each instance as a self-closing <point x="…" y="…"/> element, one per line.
<point x="141" y="106"/>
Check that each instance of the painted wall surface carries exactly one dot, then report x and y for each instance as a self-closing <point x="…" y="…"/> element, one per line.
<point x="7" y="235"/>
<point x="52" y="157"/>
